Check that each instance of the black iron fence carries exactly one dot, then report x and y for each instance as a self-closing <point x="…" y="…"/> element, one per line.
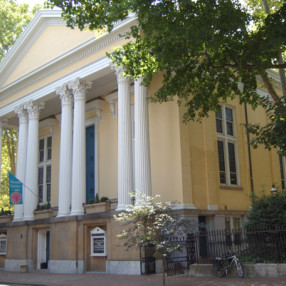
<point x="251" y="245"/>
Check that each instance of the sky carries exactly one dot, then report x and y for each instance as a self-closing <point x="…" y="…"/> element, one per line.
<point x="30" y="2"/>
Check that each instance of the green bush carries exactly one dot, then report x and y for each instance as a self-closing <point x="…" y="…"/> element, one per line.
<point x="267" y="211"/>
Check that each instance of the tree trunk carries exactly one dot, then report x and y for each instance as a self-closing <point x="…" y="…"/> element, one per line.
<point x="270" y="88"/>
<point x="279" y="57"/>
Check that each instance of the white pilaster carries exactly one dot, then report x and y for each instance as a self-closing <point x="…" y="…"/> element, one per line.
<point x="125" y="166"/>
<point x="65" y="173"/>
<point x="142" y="145"/>
<point x="79" y="88"/>
<point x="31" y="176"/>
<point x="21" y="156"/>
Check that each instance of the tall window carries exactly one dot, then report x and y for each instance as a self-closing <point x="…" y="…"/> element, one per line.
<point x="45" y="169"/>
<point x="226" y="143"/>
<point x="282" y="171"/>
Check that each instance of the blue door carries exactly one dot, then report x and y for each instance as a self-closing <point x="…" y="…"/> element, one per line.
<point x="90" y="163"/>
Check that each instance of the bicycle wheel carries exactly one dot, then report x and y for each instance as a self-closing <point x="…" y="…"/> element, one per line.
<point x="239" y="268"/>
<point x="218" y="269"/>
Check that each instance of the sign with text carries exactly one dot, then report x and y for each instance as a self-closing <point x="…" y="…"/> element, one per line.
<point x="15" y="190"/>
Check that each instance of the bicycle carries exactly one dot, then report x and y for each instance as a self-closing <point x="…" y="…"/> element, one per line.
<point x="224" y="262"/>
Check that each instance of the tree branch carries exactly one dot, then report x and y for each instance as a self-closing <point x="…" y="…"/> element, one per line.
<point x="269" y="87"/>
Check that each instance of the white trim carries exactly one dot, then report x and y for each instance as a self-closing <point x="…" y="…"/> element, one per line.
<point x="44" y="164"/>
<point x="36" y="26"/>
<point x="98" y="233"/>
<point x="47" y="18"/>
<point x="225" y="139"/>
<point x="102" y="65"/>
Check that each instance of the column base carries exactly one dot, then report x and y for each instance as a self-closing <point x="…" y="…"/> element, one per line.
<point x="28" y="218"/>
<point x="76" y="213"/>
<point x="121" y="208"/>
<point x="63" y="214"/>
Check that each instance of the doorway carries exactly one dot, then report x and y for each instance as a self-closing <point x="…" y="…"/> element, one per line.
<point x="43" y="255"/>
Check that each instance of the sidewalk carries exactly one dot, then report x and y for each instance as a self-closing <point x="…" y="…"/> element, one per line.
<point x="95" y="279"/>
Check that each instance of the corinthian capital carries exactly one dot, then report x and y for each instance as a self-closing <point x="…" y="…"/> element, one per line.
<point x="22" y="113"/>
<point x="119" y="70"/>
<point x="65" y="94"/>
<point x="79" y="88"/>
<point x="33" y="109"/>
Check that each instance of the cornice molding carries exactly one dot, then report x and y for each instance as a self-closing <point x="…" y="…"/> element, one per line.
<point x="34" y="29"/>
<point x="92" y="68"/>
<point x="73" y="56"/>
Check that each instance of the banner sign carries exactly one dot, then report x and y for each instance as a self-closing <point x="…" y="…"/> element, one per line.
<point x="15" y="190"/>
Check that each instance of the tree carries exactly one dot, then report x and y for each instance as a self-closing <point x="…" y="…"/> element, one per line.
<point x="14" y="18"/>
<point x="152" y="223"/>
<point x="209" y="51"/>
<point x="265" y="228"/>
<point x="8" y="164"/>
<point x="267" y="211"/>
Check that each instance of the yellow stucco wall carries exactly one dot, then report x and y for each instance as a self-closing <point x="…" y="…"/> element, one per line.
<point x="107" y="154"/>
<point x="165" y="153"/>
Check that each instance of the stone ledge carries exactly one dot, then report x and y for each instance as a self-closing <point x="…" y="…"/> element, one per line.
<point x="251" y="270"/>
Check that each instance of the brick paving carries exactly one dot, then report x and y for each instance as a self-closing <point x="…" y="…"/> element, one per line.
<point x="94" y="279"/>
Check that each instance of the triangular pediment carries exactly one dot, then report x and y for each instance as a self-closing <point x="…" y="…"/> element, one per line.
<point x="45" y="40"/>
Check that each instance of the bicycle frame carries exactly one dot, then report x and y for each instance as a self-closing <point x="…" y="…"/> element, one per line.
<point x="223" y="263"/>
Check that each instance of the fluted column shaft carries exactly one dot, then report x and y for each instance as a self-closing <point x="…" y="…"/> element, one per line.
<point x="125" y="162"/>
<point x="31" y="176"/>
<point x="79" y="148"/>
<point x="142" y="145"/>
<point x="21" y="156"/>
<point x="65" y="173"/>
<point x="2" y="124"/>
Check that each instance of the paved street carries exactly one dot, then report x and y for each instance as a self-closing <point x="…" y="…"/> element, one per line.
<point x="94" y="279"/>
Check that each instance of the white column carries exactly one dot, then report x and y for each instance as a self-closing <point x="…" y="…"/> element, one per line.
<point x="2" y="124"/>
<point x="65" y="173"/>
<point x="31" y="176"/>
<point x="125" y="166"/>
<point x="21" y="156"/>
<point x="142" y="145"/>
<point x="79" y="162"/>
